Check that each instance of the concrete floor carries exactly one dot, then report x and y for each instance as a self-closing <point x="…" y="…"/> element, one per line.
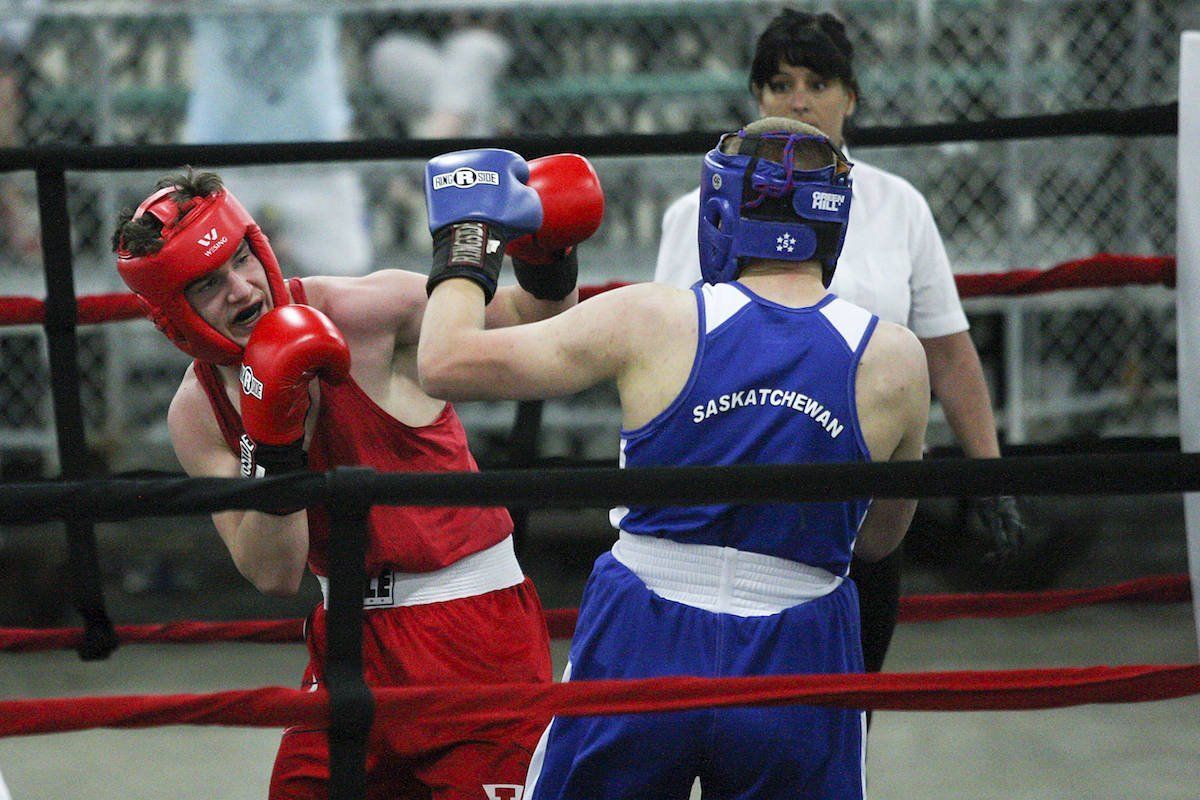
<point x="1101" y="752"/>
<point x="1140" y="751"/>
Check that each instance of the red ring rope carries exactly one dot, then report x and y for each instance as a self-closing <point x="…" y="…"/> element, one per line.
<point x="459" y="708"/>
<point x="561" y="621"/>
<point x="1100" y="270"/>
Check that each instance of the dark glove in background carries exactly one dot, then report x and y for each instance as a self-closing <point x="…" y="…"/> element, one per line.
<point x="996" y="521"/>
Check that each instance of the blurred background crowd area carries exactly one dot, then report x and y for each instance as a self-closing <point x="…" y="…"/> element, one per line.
<point x="1081" y="363"/>
<point x="1065" y="365"/>
<point x="1069" y="366"/>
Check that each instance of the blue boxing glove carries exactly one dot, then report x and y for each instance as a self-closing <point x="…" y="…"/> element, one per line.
<point x="477" y="202"/>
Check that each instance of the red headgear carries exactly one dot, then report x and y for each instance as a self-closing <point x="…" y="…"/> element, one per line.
<point x="198" y="237"/>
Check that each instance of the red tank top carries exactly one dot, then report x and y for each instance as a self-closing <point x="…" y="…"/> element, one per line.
<point x="352" y="430"/>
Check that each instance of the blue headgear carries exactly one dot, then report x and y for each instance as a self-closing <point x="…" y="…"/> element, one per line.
<point x="754" y="208"/>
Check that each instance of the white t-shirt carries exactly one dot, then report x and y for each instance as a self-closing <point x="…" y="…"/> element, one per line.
<point x="893" y="262"/>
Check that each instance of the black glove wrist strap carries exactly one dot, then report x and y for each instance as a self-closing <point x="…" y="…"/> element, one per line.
<point x="272" y="460"/>
<point x="472" y="250"/>
<point x="552" y="281"/>
<point x="275" y="459"/>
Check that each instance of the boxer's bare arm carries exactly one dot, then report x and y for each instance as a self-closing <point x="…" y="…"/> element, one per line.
<point x="385" y="306"/>
<point x="892" y="395"/>
<point x="270" y="551"/>
<point x="390" y="304"/>
<point x="512" y="305"/>
<point x="643" y="336"/>
<point x="380" y="316"/>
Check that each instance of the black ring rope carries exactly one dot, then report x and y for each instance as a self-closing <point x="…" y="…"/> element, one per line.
<point x="1156" y="120"/>
<point x="116" y="500"/>
<point x="521" y="453"/>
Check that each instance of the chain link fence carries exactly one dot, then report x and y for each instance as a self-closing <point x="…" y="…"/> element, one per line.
<point x="121" y="72"/>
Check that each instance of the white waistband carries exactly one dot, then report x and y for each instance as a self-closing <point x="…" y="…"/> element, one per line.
<point x="486" y="571"/>
<point x="723" y="580"/>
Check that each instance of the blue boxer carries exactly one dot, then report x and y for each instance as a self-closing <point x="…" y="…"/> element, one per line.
<point x="627" y="631"/>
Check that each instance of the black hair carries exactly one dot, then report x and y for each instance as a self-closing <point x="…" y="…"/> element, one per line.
<point x="143" y="236"/>
<point x="803" y="39"/>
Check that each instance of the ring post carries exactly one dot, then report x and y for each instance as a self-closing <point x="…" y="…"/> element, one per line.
<point x="522" y="449"/>
<point x="99" y="636"/>
<point x="1187" y="288"/>
<point x="352" y="708"/>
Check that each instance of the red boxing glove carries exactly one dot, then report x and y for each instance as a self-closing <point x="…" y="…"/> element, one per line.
<point x="288" y="347"/>
<point x="545" y="262"/>
<point x="572" y="207"/>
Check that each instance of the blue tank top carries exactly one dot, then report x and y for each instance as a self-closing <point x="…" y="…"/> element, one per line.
<point x="769" y="385"/>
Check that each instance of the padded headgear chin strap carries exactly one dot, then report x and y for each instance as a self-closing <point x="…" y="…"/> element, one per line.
<point x="755" y="208"/>
<point x="198" y="237"/>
